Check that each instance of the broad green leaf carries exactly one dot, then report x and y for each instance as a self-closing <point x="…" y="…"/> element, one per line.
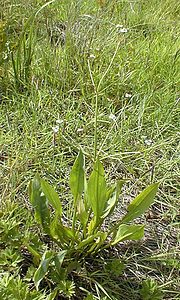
<point x="97" y="191"/>
<point x="52" y="196"/>
<point x="56" y="230"/>
<point x="82" y="213"/>
<point x="141" y="203"/>
<point x="67" y="232"/>
<point x="84" y="208"/>
<point x="35" y="190"/>
<point x="40" y="204"/>
<point x="59" y="232"/>
<point x="59" y="258"/>
<point x="113" y="198"/>
<point x="77" y="177"/>
<point x="128" y="232"/>
<point x="43" y="268"/>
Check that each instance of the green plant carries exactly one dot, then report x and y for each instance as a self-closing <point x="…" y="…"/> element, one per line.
<point x="11" y="223"/>
<point x="114" y="267"/>
<point x="22" y="55"/>
<point x="22" y="59"/>
<point x="93" y="203"/>
<point x="10" y="260"/>
<point x="3" y="54"/>
<point x="150" y="290"/>
<point x="2" y="39"/>
<point x="12" y="287"/>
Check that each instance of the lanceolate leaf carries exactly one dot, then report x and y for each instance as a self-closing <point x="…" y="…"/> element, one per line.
<point x="96" y="190"/>
<point x="82" y="212"/>
<point x="113" y="198"/>
<point x="77" y="177"/>
<point x="59" y="232"/>
<point x="52" y="196"/>
<point x="128" y="232"/>
<point x="39" y="203"/>
<point x="141" y="203"/>
<point x="35" y="190"/>
<point x="59" y="258"/>
<point x="43" y="268"/>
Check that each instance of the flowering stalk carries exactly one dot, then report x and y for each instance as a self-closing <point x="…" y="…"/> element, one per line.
<point x="96" y="91"/>
<point x="96" y="111"/>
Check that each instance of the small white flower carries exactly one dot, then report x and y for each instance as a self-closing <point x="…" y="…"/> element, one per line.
<point x="79" y="130"/>
<point x="59" y="122"/>
<point x="147" y="141"/>
<point x="55" y="129"/>
<point x="112" y="117"/>
<point x="92" y="56"/>
<point x="123" y="30"/>
<point x="127" y="95"/>
<point x="119" y="26"/>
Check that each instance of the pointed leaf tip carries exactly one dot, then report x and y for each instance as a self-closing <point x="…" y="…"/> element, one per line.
<point x="141" y="203"/>
<point x="76" y="181"/>
<point x="128" y="232"/>
<point x="51" y="196"/>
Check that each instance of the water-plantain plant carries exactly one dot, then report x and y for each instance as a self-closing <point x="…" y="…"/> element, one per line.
<point x="84" y="233"/>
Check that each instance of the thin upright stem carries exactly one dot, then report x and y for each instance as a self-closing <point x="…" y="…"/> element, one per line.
<point x="96" y="92"/>
<point x="96" y="111"/>
<point x="95" y="128"/>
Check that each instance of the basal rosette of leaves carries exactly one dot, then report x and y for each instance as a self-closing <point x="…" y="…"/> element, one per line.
<point x="93" y="202"/>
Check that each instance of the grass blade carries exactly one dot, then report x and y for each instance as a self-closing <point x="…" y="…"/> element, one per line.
<point x="43" y="268"/>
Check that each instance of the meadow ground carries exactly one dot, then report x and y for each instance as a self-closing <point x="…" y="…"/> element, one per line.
<point x="57" y="62"/>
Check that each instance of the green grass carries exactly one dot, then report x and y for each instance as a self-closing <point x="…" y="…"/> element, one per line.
<point x="97" y="62"/>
